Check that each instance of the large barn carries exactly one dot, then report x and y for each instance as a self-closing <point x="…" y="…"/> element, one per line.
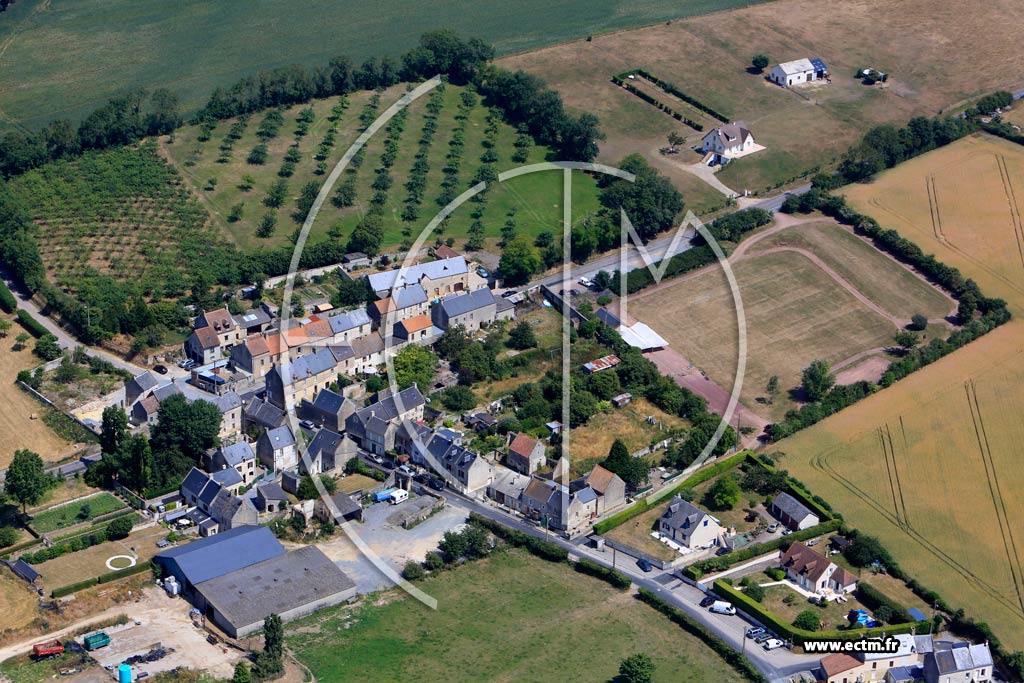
<point x="217" y="555"/>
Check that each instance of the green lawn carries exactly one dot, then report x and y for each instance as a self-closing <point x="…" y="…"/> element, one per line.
<point x="64" y="59"/>
<point x="511" y="617"/>
<point x="76" y="513"/>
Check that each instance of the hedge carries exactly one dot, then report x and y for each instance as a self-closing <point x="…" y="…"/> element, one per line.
<point x="7" y="300"/>
<point x="872" y="598"/>
<point x="699" y="569"/>
<point x="33" y="326"/>
<point x="73" y="587"/>
<point x="546" y="550"/>
<point x="731" y="656"/>
<point x="612" y="576"/>
<point x="672" y="90"/>
<point x="782" y="628"/>
<point x="641" y="506"/>
<point x="797" y="490"/>
<point x="678" y="116"/>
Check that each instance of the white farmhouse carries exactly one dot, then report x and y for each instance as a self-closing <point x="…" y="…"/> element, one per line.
<point x="728" y="142"/>
<point x="798" y="71"/>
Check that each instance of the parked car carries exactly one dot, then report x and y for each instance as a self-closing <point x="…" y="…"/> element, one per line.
<point x="772" y="644"/>
<point x="755" y="631"/>
<point x="162" y="369"/>
<point x="644" y="564"/>
<point x="307" y="424"/>
<point x="787" y="532"/>
<point x="708" y="600"/>
<point x="773" y="527"/>
<point x="482" y="272"/>
<point x="436" y="484"/>
<point x="506" y="294"/>
<point x="763" y="637"/>
<point x="586" y="282"/>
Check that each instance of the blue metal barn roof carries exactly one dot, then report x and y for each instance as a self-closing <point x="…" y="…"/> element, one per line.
<point x="223" y="553"/>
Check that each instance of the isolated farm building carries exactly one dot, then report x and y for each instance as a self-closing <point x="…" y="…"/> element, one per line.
<point x="958" y="661"/>
<point x="602" y="363"/>
<point x="255" y="320"/>
<point x="291" y="585"/>
<point x="792" y="513"/>
<point x="24" y="571"/>
<point x="813" y="572"/>
<point x="276" y="449"/>
<point x="798" y="71"/>
<point x="688" y="525"/>
<point x="238" y="456"/>
<point x="343" y="508"/>
<point x="438" y="278"/>
<point x="525" y="453"/>
<point x="641" y="336"/>
<point x="213" y="556"/>
<point x="472" y="310"/>
<point x="727" y="142"/>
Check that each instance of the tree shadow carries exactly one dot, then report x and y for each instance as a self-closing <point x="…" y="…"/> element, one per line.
<point x="754" y="71"/>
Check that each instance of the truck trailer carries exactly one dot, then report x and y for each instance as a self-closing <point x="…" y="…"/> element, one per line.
<point x="50" y="648"/>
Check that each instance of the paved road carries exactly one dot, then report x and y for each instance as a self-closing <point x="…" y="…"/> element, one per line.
<point x="778" y="665"/>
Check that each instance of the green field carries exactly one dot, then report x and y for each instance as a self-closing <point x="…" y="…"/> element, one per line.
<point x="535" y="199"/>
<point x="63" y="59"/>
<point x="76" y="513"/>
<point x="510" y="617"/>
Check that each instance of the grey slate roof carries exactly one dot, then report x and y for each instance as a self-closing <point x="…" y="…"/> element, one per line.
<point x="345" y="504"/>
<point x="325" y="441"/>
<point x="608" y="318"/>
<point x="276" y="585"/>
<point x="348" y="321"/>
<point x="208" y="493"/>
<point x="226" y="552"/>
<point x="730" y="134"/>
<point x="681" y="514"/>
<point x="194" y="482"/>
<point x="321" y="360"/>
<point x="280" y="437"/>
<point x="237" y="453"/>
<point x="24" y="570"/>
<point x="586" y="495"/>
<point x="271" y="491"/>
<point x="791" y="507"/>
<point x="227" y="401"/>
<point x="328" y="401"/>
<point x="162" y="393"/>
<point x="252" y="317"/>
<point x="434" y="270"/>
<point x="144" y="382"/>
<point x="228" y="476"/>
<point x="464" y="303"/>
<point x="410" y="295"/>
<point x="951" y="658"/>
<point x="264" y="413"/>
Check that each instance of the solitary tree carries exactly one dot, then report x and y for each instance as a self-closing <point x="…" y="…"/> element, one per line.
<point x="807" y="620"/>
<point x="918" y="322"/>
<point x="27" y="480"/>
<point x="20" y="341"/>
<point x="5" y="327"/>
<point x="637" y="668"/>
<point x="724" y="493"/>
<point x="907" y="340"/>
<point x="521" y="336"/>
<point x="675" y="139"/>
<point x="816" y="380"/>
<point x="760" y="62"/>
<point x="772" y="388"/>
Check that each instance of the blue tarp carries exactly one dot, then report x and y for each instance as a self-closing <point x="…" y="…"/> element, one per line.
<point x="916" y="614"/>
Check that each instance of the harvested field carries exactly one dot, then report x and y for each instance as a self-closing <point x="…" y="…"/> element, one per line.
<point x="795" y="313"/>
<point x="17" y="428"/>
<point x="17" y="601"/>
<point x="964" y="203"/>
<point x="930" y="467"/>
<point x="929" y="48"/>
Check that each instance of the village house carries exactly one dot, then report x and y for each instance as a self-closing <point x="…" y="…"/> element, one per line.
<point x="437" y="278"/>
<point x="256" y="320"/>
<point x="346" y="327"/>
<point x="216" y="507"/>
<point x="329" y="410"/>
<point x="472" y="310"/>
<point x="343" y="508"/>
<point x="374" y="427"/>
<point x="953" y="662"/>
<point x="525" y="453"/>
<point x="328" y="452"/>
<point x="203" y="346"/>
<point x="259" y="414"/>
<point x="403" y="303"/>
<point x="290" y="383"/>
<point x="253" y="356"/>
<point x="230" y="406"/>
<point x="225" y="328"/>
<point x="466" y="470"/>
<point x="276" y="449"/>
<point x="792" y="513"/>
<point x="688" y="525"/>
<point x="813" y="572"/>
<point x="270" y="497"/>
<point x="798" y="72"/>
<point x="137" y="387"/>
<point x="609" y="487"/>
<point x="417" y="330"/>
<point x="238" y="456"/>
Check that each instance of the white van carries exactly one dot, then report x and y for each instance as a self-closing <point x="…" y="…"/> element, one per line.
<point x="722" y="607"/>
